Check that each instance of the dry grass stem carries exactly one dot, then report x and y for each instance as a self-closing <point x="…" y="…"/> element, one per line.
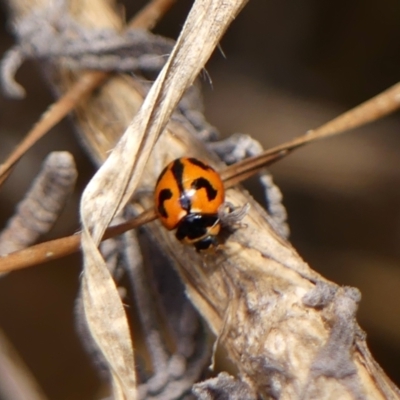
<point x="371" y="110"/>
<point x="151" y="13"/>
<point x="62" y="247"/>
<point x="51" y="117"/>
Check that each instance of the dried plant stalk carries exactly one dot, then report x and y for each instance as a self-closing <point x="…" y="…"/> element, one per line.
<point x="291" y="333"/>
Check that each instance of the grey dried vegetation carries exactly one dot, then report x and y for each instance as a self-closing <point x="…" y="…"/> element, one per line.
<point x="290" y="333"/>
<point x="36" y="214"/>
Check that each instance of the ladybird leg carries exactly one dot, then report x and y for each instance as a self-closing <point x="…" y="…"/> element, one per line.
<point x="236" y="148"/>
<point x="208" y="244"/>
<point x="230" y="215"/>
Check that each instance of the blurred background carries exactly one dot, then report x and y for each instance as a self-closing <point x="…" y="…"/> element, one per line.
<point x="288" y="67"/>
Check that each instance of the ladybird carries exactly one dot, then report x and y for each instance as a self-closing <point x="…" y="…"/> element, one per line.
<point x="188" y="195"/>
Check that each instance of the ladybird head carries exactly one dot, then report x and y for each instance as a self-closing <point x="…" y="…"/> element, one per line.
<point x="201" y="230"/>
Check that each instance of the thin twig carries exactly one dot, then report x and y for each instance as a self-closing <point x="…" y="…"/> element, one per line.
<point x="371" y="110"/>
<point x="377" y="107"/>
<point x="56" y="112"/>
<point x="58" y="248"/>
<point x="80" y="90"/>
<point x="150" y="14"/>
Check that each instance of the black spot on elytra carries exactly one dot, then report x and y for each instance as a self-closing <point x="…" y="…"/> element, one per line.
<point x="164" y="195"/>
<point x="161" y="175"/>
<point x="199" y="163"/>
<point x="201" y="183"/>
<point x="177" y="172"/>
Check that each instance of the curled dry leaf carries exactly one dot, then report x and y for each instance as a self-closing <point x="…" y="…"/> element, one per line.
<point x="113" y="185"/>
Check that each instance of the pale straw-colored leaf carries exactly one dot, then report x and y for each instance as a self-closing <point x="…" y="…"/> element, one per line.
<point x="113" y="185"/>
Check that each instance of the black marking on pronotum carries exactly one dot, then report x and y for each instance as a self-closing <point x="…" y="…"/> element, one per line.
<point x="164" y="195"/>
<point x="201" y="183"/>
<point x="200" y="164"/>
<point x="177" y="172"/>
